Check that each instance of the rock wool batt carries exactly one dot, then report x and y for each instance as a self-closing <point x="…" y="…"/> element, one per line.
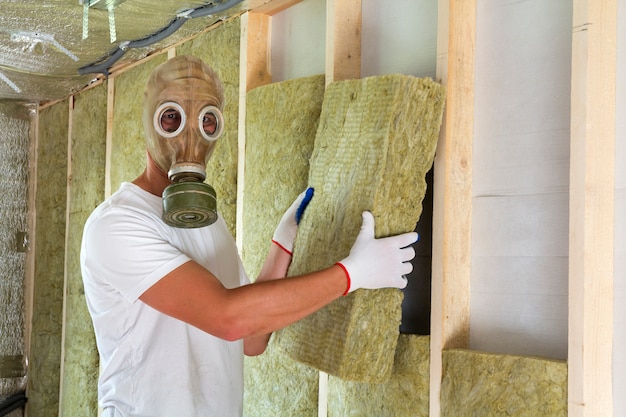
<point x="375" y="142"/>
<point x="281" y="122"/>
<point x="485" y="384"/>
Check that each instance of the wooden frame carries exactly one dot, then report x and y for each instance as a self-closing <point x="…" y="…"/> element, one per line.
<point x="592" y="200"/>
<point x="452" y="204"/>
<point x="592" y="180"/>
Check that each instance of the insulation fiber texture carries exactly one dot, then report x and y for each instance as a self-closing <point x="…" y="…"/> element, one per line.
<point x="406" y="394"/>
<point x="128" y="146"/>
<point x="483" y="384"/>
<point x="14" y="153"/>
<point x="49" y="252"/>
<point x="374" y="145"/>
<point x="79" y="395"/>
<point x="281" y="122"/>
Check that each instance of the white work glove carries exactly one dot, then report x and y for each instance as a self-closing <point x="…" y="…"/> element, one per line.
<point x="378" y="263"/>
<point x="285" y="233"/>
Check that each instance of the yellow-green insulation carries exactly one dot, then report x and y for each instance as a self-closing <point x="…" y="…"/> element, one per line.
<point x="281" y="121"/>
<point x="495" y="385"/>
<point x="79" y="395"/>
<point x="374" y="145"/>
<point x="128" y="143"/>
<point x="50" y="205"/>
<point x="405" y="394"/>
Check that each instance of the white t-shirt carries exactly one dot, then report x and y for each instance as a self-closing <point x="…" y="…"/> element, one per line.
<point x="152" y="364"/>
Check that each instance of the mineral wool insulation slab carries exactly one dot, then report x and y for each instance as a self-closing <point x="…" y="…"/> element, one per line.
<point x="405" y="394"/>
<point x="483" y="384"/>
<point x="49" y="251"/>
<point x="374" y="145"/>
<point x="281" y="122"/>
<point x="128" y="146"/>
<point x="79" y="395"/>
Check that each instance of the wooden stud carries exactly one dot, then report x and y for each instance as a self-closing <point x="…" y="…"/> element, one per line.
<point x="592" y="200"/>
<point x="65" y="245"/>
<point x="254" y="71"/>
<point x="29" y="279"/>
<point x="452" y="204"/>
<point x="109" y="136"/>
<point x="343" y="40"/>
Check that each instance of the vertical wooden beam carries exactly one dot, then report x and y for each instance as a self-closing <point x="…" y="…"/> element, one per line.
<point x="452" y="204"/>
<point x="29" y="284"/>
<point x="65" y="245"/>
<point x="592" y="189"/>
<point x="343" y="40"/>
<point x="254" y="71"/>
<point x="109" y="135"/>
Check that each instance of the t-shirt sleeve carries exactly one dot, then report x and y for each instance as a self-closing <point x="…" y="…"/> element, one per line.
<point x="127" y="252"/>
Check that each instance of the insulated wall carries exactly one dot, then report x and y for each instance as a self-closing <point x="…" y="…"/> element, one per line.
<point x="64" y="365"/>
<point x="49" y="249"/>
<point x="521" y="178"/>
<point x="14" y="154"/>
<point x="281" y="121"/>
<point x="79" y="379"/>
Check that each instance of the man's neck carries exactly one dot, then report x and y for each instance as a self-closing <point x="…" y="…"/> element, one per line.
<point x="152" y="182"/>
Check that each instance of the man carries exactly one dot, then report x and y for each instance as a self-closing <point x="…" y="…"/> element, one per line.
<point x="172" y="308"/>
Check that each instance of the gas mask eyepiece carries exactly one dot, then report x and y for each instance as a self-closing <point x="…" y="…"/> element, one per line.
<point x="188" y="202"/>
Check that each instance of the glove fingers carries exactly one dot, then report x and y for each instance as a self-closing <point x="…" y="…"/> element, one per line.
<point x="404" y="240"/>
<point x="402" y="282"/>
<point x="303" y="201"/>
<point x="406" y="254"/>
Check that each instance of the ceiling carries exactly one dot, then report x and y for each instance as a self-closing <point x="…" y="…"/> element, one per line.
<point x="50" y="49"/>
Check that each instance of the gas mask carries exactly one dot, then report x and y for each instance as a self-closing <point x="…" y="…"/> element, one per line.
<point x="182" y="119"/>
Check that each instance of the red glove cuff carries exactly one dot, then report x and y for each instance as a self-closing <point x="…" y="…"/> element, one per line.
<point x="347" y="278"/>
<point x="282" y="247"/>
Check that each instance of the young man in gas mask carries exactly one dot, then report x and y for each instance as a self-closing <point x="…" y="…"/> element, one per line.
<point x="172" y="307"/>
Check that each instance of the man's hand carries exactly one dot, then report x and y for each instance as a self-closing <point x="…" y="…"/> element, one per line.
<point x="378" y="263"/>
<point x="285" y="233"/>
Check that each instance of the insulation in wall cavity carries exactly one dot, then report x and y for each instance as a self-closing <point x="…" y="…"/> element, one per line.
<point x="281" y="121"/>
<point x="14" y="166"/>
<point x="279" y="387"/>
<point x="219" y="48"/>
<point x="49" y="253"/>
<point x="374" y="145"/>
<point x="405" y="394"/>
<point x="80" y="367"/>
<point x="128" y="145"/>
<point x="477" y="383"/>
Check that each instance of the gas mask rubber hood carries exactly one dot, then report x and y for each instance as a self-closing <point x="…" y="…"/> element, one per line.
<point x="182" y="118"/>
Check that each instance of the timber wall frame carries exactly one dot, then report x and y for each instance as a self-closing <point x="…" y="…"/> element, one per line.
<point x="591" y="180"/>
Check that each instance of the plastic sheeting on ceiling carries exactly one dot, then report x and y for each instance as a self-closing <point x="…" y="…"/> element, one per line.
<point x="44" y="44"/>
